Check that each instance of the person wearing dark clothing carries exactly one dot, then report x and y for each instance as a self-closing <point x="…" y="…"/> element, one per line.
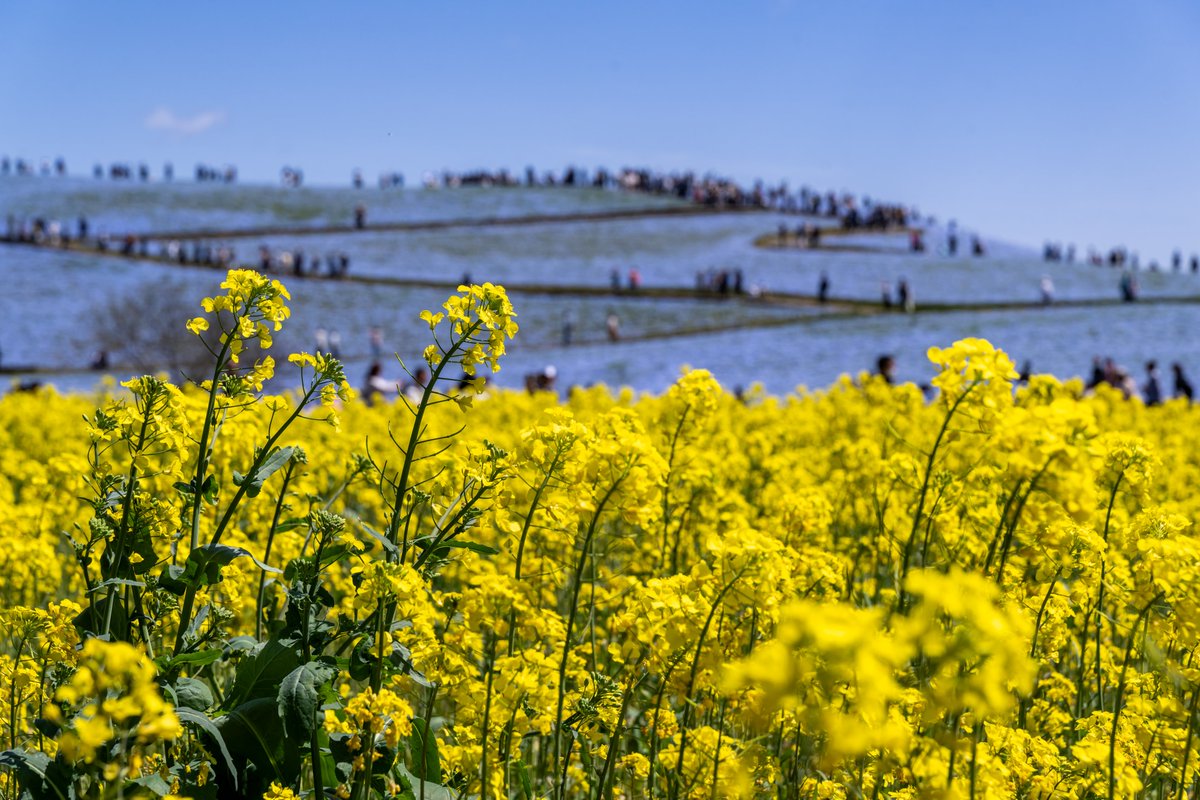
<point x="885" y="367"/>
<point x="360" y="217"/>
<point x="1183" y="387"/>
<point x="1151" y="392"/>
<point x="823" y="288"/>
<point x="1129" y="287"/>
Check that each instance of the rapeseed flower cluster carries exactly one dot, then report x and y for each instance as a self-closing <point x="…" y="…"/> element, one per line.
<point x="848" y="593"/>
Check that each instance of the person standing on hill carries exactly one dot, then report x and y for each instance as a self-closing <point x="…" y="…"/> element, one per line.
<point x="613" y="325"/>
<point x="1047" y="289"/>
<point x="1183" y="387"/>
<point x="905" y="297"/>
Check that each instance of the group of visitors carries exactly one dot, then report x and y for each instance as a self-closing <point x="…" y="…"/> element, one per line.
<point x="117" y="170"/>
<point x="1152" y="390"/>
<point x="378" y="388"/>
<point x="1119" y="256"/>
<point x="42" y="231"/>
<point x="20" y="166"/>
<point x="707" y="189"/>
<point x="335" y="264"/>
<point x="722" y="282"/>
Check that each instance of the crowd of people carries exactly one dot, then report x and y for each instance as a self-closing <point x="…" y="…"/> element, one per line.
<point x="43" y="231"/>
<point x="1119" y="257"/>
<point x="851" y="210"/>
<point x="117" y="170"/>
<point x="335" y="264"/>
<point x="1152" y="390"/>
<point x="387" y="180"/>
<point x="706" y="189"/>
<point x="287" y="261"/>
<point x="23" y="167"/>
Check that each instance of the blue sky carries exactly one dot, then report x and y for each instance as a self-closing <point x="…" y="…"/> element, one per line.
<point x="1073" y="121"/>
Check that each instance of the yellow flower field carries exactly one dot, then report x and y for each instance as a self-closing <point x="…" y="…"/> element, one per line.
<point x="848" y="593"/>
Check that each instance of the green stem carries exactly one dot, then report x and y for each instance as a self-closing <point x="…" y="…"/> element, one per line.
<point x="1112" y="742"/>
<point x="262" y="578"/>
<point x="123" y="528"/>
<point x="576" y="584"/>
<point x="1187" y="745"/>
<point x="189" y="597"/>
<point x="691" y="684"/>
<point x="414" y="436"/>
<point x="1112" y="498"/>
<point x="916" y="523"/>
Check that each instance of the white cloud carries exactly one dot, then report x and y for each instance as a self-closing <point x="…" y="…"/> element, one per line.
<point x="164" y="119"/>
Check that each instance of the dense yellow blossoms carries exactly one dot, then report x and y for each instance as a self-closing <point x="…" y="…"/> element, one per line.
<point x="850" y="593"/>
<point x="112" y="694"/>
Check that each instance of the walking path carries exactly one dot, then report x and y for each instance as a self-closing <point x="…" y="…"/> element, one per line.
<point x="659" y="293"/>
<point x="689" y="210"/>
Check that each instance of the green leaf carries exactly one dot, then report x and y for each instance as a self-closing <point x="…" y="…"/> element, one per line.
<point x="193" y="693"/>
<point x="116" y="582"/>
<point x="290" y="524"/>
<point x="91" y="620"/>
<point x="155" y="783"/>
<point x="388" y="547"/>
<point x="211" y="490"/>
<point x="203" y="567"/>
<point x="474" y="547"/>
<point x="193" y="629"/>
<point x="362" y="660"/>
<point x="172" y="580"/>
<point x="432" y="790"/>
<point x="197" y="658"/>
<point x="336" y="553"/>
<point x="223" y="554"/>
<point x="189" y="716"/>
<point x="38" y="776"/>
<point x="426" y="763"/>
<point x="254" y="731"/>
<point x="253" y="482"/>
<point x="299" y="698"/>
<point x="259" y="675"/>
<point x="523" y="777"/>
